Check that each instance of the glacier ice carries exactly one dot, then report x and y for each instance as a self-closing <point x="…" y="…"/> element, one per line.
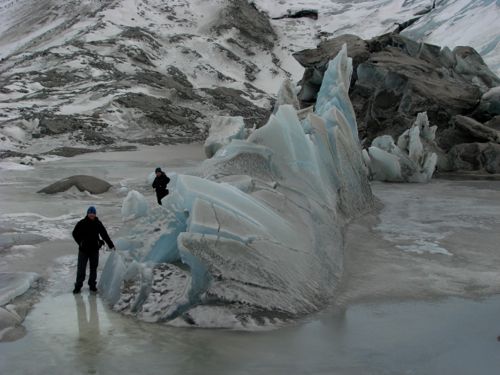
<point x="14" y="284"/>
<point x="222" y="131"/>
<point x="134" y="206"/>
<point x="258" y="235"/>
<point x="412" y="159"/>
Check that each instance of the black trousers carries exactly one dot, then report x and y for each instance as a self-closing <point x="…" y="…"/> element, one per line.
<point x="160" y="194"/>
<point x="83" y="257"/>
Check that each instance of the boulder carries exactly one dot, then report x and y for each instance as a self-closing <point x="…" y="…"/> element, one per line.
<point x="476" y="130"/>
<point x="489" y="105"/>
<point x="476" y="156"/>
<point x="83" y="183"/>
<point x="494" y="123"/>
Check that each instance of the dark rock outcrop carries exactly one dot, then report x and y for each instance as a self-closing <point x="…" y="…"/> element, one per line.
<point x="494" y="123"/>
<point x="58" y="124"/>
<point x="83" y="183"/>
<point x="253" y="25"/>
<point x="489" y="105"/>
<point x="395" y="78"/>
<point x="304" y="13"/>
<point x="160" y="111"/>
<point x="476" y="157"/>
<point x="476" y="130"/>
<point x="232" y="103"/>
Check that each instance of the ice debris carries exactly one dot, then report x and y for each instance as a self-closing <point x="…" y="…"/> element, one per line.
<point x="410" y="160"/>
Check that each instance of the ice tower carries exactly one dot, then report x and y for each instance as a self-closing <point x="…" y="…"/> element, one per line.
<point x="258" y="238"/>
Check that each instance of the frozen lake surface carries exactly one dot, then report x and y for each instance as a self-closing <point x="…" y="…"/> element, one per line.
<point x="420" y="293"/>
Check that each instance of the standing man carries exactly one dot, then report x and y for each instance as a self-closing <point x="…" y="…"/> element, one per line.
<point x="86" y="235"/>
<point x="160" y="184"/>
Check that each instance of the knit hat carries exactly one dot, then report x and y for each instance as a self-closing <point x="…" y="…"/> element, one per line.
<point x="91" y="210"/>
<point x="157" y="170"/>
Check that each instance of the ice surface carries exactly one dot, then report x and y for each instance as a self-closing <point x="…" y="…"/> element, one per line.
<point x="8" y="165"/>
<point x="14" y="284"/>
<point x="411" y="160"/>
<point x="259" y="233"/>
<point x="223" y="130"/>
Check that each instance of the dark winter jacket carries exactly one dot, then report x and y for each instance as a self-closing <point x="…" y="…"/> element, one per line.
<point x="86" y="235"/>
<point x="160" y="183"/>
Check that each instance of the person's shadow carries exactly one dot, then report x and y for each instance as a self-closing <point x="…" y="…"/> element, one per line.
<point x="90" y="342"/>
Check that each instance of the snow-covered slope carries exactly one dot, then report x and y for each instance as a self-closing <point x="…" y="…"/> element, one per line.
<point x="450" y="23"/>
<point x="87" y="72"/>
<point x="130" y="70"/>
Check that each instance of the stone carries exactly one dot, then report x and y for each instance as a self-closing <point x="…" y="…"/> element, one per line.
<point x="494" y="123"/>
<point x="476" y="130"/>
<point x="489" y="105"/>
<point x="476" y="156"/>
<point x="91" y="184"/>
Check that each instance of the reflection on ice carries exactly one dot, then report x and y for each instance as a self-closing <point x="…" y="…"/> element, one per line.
<point x="88" y="326"/>
<point x="259" y="235"/>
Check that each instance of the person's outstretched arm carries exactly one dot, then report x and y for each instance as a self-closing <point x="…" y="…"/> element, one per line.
<point x="105" y="236"/>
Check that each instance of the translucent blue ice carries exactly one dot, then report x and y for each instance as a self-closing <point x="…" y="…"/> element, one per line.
<point x="260" y="232"/>
<point x="411" y="160"/>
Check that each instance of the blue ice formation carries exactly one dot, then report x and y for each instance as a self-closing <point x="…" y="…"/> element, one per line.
<point x="412" y="159"/>
<point x="258" y="238"/>
<point x="134" y="206"/>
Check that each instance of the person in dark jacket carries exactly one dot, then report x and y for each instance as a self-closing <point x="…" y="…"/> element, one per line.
<point x="160" y="184"/>
<point x="86" y="235"/>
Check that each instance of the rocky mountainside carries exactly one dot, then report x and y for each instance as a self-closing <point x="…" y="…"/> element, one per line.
<point x="84" y="75"/>
<point x="303" y="23"/>
<point x="396" y="78"/>
<point x="93" y="73"/>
